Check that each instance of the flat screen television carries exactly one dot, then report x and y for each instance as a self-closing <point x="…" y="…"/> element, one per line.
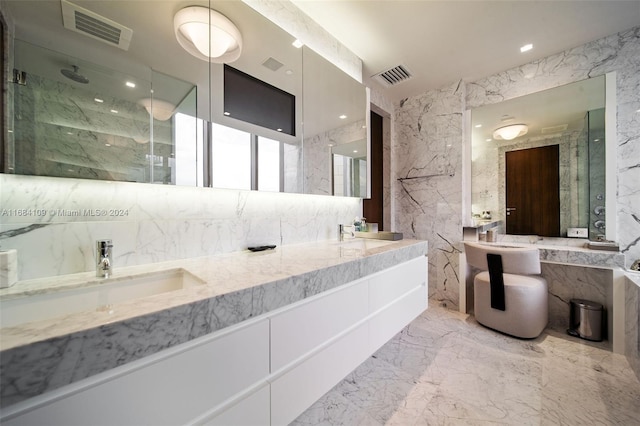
<point x="252" y="100"/>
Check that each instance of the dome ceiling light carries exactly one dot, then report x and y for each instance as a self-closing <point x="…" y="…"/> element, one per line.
<point x="510" y="132"/>
<point x="207" y="34"/>
<point x="158" y="109"/>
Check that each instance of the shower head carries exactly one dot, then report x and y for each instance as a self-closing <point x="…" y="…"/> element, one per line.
<point x="73" y="75"/>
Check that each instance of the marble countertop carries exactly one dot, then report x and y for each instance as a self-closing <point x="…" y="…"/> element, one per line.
<point x="39" y="356"/>
<point x="572" y="255"/>
<point x="482" y="225"/>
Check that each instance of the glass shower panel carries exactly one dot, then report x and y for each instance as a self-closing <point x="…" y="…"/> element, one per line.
<point x="597" y="219"/>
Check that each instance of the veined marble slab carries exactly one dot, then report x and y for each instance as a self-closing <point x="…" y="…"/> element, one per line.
<point x="573" y="255"/>
<point x="42" y="356"/>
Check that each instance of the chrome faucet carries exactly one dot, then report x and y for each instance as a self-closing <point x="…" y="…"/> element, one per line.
<point x="342" y="230"/>
<point x="104" y="258"/>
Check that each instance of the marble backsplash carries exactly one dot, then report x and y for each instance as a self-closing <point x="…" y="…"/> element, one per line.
<point x="53" y="223"/>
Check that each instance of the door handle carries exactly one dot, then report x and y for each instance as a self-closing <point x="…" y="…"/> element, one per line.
<point x="509" y="210"/>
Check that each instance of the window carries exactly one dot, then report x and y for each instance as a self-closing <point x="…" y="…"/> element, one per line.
<point x="241" y="160"/>
<point x="269" y="164"/>
<point x="230" y="158"/>
<point x="187" y="129"/>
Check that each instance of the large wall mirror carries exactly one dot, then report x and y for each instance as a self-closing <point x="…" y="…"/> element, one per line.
<point x="149" y="111"/>
<point x="541" y="163"/>
<point x="336" y="110"/>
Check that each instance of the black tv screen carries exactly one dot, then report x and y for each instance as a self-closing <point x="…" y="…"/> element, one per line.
<point x="248" y="99"/>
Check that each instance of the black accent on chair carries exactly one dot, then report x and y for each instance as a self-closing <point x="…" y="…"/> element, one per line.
<point x="494" y="261"/>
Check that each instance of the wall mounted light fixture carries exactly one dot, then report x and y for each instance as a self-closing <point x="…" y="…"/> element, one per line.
<point x="510" y="132"/>
<point x="207" y="34"/>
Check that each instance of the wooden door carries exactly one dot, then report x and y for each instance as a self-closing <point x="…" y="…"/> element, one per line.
<point x="372" y="208"/>
<point x="533" y="191"/>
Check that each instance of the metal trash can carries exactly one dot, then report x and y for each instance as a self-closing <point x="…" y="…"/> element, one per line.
<point x="586" y="320"/>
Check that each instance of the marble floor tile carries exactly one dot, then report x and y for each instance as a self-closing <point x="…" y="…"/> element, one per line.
<point x="446" y="369"/>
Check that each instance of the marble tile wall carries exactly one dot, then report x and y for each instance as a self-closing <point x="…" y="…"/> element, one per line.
<point x="632" y="321"/>
<point x="427" y="181"/>
<point x="54" y="222"/>
<point x="576" y="282"/>
<point x="427" y="188"/>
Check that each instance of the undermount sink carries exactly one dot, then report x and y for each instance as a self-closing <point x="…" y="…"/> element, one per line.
<point x="94" y="295"/>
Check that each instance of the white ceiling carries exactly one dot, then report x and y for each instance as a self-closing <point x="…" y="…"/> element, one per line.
<point x="441" y="42"/>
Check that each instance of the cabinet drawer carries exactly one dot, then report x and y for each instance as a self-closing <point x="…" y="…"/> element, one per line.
<point x="300" y="387"/>
<point x="388" y="322"/>
<point x="302" y="328"/>
<point x="169" y="388"/>
<point x="393" y="283"/>
<point x="253" y="410"/>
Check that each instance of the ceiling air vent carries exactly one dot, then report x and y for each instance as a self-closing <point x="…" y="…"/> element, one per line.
<point x="272" y="64"/>
<point x="393" y="76"/>
<point x="98" y="27"/>
<point x="554" y="129"/>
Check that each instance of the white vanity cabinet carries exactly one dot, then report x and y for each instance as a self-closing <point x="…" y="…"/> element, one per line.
<point x="267" y="370"/>
<point x="172" y="387"/>
<point x="354" y="322"/>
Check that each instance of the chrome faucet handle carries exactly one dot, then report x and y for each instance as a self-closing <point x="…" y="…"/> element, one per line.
<point x="104" y="258"/>
<point x="342" y="230"/>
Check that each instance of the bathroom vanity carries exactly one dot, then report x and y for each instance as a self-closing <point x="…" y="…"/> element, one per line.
<point x="249" y="338"/>
<point x="572" y="271"/>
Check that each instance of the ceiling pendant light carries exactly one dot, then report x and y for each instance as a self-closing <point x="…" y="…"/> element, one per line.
<point x="207" y="34"/>
<point x="510" y="132"/>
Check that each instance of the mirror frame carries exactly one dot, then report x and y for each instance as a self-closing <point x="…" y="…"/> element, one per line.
<point x="611" y="173"/>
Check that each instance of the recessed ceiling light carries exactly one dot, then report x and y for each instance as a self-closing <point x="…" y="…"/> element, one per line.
<point x="288" y="72"/>
<point x="115" y="111"/>
<point x="226" y="113"/>
<point x="342" y="117"/>
<point x="355" y="151"/>
<point x="9" y="131"/>
<point x="478" y="125"/>
<point x="526" y="48"/>
<point x="69" y="133"/>
<point x="107" y="144"/>
<point x="98" y="100"/>
<point x="488" y="140"/>
<point x="596" y="140"/>
<point x="279" y="130"/>
<point x="130" y="84"/>
<point x="297" y="43"/>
